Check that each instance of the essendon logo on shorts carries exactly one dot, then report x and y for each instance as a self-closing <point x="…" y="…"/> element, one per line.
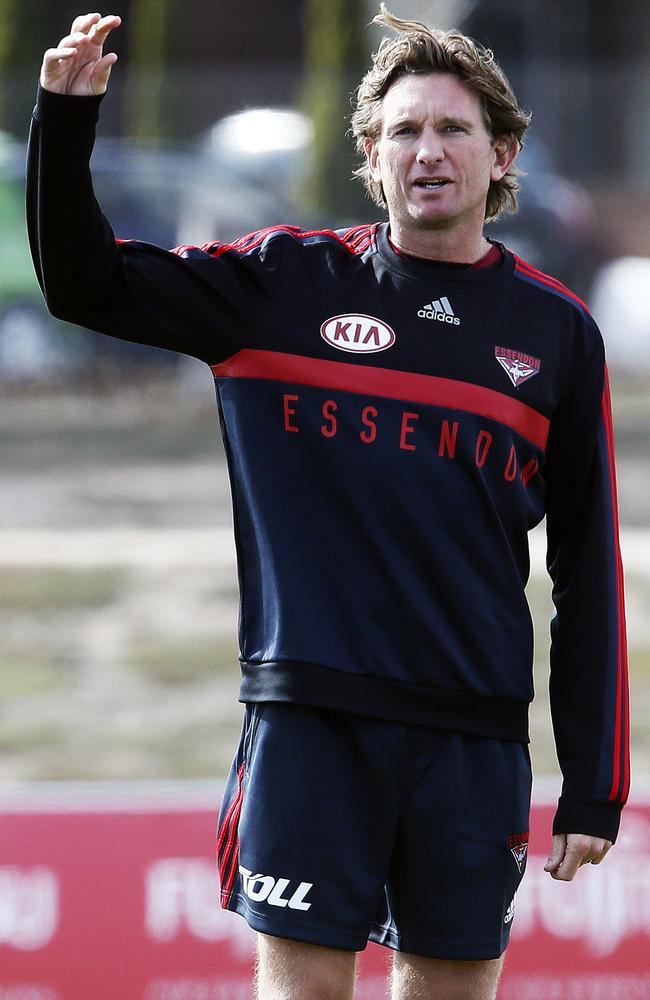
<point x="357" y="333"/>
<point x="518" y="844"/>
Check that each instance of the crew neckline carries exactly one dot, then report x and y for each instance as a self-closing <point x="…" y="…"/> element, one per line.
<point x="419" y="268"/>
<point x="490" y="258"/>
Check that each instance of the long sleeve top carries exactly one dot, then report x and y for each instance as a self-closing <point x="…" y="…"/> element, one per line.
<point x="393" y="429"/>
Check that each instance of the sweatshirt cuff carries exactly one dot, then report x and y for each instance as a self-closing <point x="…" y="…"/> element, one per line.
<point x="594" y="819"/>
<point x="67" y="110"/>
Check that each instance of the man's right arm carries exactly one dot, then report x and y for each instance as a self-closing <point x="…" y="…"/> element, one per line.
<point x="190" y="302"/>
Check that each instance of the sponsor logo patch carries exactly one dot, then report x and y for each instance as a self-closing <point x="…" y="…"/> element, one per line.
<point x="275" y="891"/>
<point x="357" y="333"/>
<point x="518" y="844"/>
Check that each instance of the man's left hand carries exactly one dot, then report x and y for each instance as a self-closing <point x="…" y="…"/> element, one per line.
<point x="572" y="850"/>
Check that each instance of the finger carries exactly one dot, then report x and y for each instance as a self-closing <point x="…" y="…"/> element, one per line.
<point x="101" y="73"/>
<point x="103" y="28"/>
<point x="558" y="850"/>
<point x="566" y="872"/>
<point x="51" y="62"/>
<point x="580" y="849"/>
<point x="74" y="38"/>
<point x="106" y="23"/>
<point x="84" y="22"/>
<point x="53" y="55"/>
<point x="601" y="857"/>
<point x="588" y="848"/>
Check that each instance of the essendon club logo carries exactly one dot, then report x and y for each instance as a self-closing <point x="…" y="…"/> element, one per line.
<point x="519" y="367"/>
<point x="357" y="333"/>
<point x="518" y="844"/>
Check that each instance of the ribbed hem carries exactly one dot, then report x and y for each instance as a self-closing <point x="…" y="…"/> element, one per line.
<point x="595" y="819"/>
<point x="67" y="110"/>
<point x="381" y="698"/>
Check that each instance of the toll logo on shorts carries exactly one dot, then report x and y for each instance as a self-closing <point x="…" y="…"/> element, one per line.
<point x="275" y="891"/>
<point x="510" y="912"/>
<point x="518" y="844"/>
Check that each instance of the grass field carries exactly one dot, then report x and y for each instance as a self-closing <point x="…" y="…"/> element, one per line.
<point x="118" y="599"/>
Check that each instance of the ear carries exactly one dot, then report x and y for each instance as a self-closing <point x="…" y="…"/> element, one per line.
<point x="506" y="148"/>
<point x="372" y="156"/>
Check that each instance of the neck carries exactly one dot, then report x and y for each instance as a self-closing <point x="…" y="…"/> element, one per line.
<point x="439" y="244"/>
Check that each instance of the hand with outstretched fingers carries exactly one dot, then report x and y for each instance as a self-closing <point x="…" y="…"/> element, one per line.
<point x="572" y="850"/>
<point x="77" y="65"/>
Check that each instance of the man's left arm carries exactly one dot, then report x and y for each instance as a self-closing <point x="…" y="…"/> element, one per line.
<point x="588" y="686"/>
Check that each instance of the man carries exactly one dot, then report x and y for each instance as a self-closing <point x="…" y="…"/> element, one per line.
<point x="399" y="403"/>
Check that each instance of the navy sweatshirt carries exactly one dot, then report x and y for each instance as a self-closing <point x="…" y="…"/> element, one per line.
<point x="393" y="429"/>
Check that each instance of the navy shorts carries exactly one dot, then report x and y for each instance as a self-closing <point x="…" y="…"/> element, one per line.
<point x="337" y="829"/>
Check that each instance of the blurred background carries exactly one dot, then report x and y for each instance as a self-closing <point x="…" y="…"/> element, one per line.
<point x="118" y="600"/>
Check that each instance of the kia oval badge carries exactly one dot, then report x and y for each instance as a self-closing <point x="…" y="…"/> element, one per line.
<point x="357" y="333"/>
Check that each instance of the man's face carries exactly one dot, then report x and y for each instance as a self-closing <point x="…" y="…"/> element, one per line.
<point x="434" y="156"/>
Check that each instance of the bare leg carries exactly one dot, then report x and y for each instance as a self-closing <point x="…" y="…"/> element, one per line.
<point x="418" y="978"/>
<point x="293" y="970"/>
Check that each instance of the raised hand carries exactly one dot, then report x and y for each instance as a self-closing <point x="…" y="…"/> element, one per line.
<point x="77" y="65"/>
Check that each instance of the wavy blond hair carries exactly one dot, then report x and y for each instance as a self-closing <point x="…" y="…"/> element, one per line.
<point x="419" y="49"/>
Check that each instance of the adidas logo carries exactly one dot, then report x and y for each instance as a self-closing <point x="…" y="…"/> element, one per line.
<point x="440" y="310"/>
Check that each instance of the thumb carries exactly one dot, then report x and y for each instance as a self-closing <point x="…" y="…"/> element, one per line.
<point x="558" y="850"/>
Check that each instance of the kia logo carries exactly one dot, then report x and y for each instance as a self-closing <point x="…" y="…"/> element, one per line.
<point x="357" y="333"/>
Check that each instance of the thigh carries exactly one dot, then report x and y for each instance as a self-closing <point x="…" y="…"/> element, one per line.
<point x="308" y="823"/>
<point x="460" y="849"/>
<point x="293" y="970"/>
<point x="415" y="976"/>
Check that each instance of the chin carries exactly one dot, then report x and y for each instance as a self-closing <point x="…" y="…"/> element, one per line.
<point x="433" y="220"/>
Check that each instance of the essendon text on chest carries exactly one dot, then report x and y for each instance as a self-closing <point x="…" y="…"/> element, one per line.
<point x="449" y="432"/>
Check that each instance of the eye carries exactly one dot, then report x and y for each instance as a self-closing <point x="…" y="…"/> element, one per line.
<point x="453" y="128"/>
<point x="404" y="130"/>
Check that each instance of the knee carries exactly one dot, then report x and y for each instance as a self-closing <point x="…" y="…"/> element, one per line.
<point x="416" y="978"/>
<point x="293" y="970"/>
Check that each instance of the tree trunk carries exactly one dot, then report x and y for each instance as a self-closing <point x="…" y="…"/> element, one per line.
<point x="8" y="39"/>
<point x="336" y="42"/>
<point x="145" y="110"/>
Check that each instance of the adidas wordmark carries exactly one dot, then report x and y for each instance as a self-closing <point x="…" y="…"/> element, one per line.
<point x="440" y="310"/>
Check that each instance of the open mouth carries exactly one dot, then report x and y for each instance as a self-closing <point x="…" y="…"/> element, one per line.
<point x="432" y="183"/>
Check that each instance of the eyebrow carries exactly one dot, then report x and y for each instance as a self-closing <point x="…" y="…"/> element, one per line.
<point x="402" y="120"/>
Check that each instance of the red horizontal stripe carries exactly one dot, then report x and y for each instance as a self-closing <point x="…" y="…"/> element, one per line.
<point x="408" y="386"/>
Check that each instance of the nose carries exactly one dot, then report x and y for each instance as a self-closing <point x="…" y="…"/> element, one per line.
<point x="431" y="148"/>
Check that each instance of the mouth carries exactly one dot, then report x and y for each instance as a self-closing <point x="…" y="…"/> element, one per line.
<point x="431" y="183"/>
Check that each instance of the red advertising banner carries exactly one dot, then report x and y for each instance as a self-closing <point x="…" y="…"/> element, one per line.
<point x="106" y="897"/>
